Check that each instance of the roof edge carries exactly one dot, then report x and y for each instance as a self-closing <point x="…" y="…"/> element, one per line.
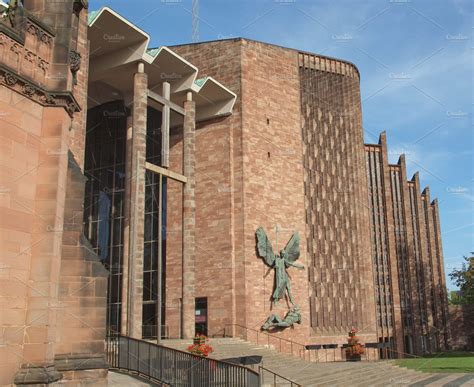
<point x="270" y="44"/>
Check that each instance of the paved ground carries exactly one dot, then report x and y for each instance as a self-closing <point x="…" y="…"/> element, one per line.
<point x="343" y="374"/>
<point x="116" y="379"/>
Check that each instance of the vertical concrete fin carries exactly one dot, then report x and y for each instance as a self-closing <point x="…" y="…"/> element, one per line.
<point x="426" y="194"/>
<point x="383" y="139"/>
<point x="401" y="160"/>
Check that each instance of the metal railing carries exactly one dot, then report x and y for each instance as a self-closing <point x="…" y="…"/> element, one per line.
<point x="150" y="331"/>
<point x="314" y="353"/>
<point x="173" y="367"/>
<point x="275" y="379"/>
<point x="282" y="345"/>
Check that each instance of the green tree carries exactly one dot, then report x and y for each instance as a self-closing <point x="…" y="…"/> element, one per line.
<point x="455" y="297"/>
<point x="464" y="278"/>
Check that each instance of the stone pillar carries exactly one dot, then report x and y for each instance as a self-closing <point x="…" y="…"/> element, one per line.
<point x="189" y="209"/>
<point x="411" y="258"/>
<point x="392" y="253"/>
<point x="428" y="269"/>
<point x="126" y="227"/>
<point x="165" y="128"/>
<point x="137" y="204"/>
<point x="442" y="292"/>
<point x="433" y="263"/>
<point x="420" y="220"/>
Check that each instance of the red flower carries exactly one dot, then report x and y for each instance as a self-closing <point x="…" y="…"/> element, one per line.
<point x="200" y="349"/>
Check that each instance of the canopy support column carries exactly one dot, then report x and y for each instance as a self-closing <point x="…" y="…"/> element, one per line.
<point x="137" y="191"/>
<point x="189" y="210"/>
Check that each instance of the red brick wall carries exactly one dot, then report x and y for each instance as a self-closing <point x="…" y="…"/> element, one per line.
<point x="381" y="258"/>
<point x="441" y="290"/>
<point x="256" y="168"/>
<point x="414" y="268"/>
<point x="249" y="173"/>
<point x="400" y="231"/>
<point x="217" y="173"/>
<point x="411" y="253"/>
<point x="342" y="293"/>
<point x="273" y="176"/>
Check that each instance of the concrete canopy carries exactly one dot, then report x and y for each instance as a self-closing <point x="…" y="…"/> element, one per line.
<point x="117" y="45"/>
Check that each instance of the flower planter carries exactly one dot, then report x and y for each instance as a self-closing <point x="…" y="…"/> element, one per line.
<point x="198" y="356"/>
<point x="199" y="347"/>
<point x="354" y="349"/>
<point x="199" y="340"/>
<point x="353" y="358"/>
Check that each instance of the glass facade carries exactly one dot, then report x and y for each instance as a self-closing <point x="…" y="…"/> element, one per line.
<point x="152" y="228"/>
<point x="103" y="201"/>
<point x="104" y="206"/>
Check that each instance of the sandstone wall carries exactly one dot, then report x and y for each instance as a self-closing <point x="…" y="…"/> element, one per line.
<point x="41" y="211"/>
<point x="219" y="261"/>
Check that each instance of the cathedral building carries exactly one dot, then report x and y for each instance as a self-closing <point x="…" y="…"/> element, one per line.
<point x="134" y="180"/>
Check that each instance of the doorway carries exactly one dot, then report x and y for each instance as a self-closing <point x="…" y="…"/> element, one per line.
<point x="201" y="316"/>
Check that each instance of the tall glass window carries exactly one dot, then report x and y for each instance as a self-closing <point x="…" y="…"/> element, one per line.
<point x="103" y="207"/>
<point x="103" y="201"/>
<point x="152" y="231"/>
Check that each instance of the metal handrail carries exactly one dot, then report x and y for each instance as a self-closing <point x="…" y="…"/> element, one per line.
<point x="165" y="331"/>
<point x="275" y="376"/>
<point x="303" y="353"/>
<point x="174" y="367"/>
<point x="150" y="331"/>
<point x="269" y="335"/>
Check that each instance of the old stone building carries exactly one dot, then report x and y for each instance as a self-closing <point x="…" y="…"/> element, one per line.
<point x="53" y="292"/>
<point x="134" y="179"/>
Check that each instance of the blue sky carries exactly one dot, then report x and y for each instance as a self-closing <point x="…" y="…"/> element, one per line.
<point x="415" y="60"/>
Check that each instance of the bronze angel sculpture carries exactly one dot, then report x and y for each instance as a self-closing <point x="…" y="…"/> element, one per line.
<point x="287" y="257"/>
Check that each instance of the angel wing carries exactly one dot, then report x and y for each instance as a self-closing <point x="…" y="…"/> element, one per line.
<point x="264" y="247"/>
<point x="292" y="248"/>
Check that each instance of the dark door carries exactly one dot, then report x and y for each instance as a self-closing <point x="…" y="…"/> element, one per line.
<point x="201" y="316"/>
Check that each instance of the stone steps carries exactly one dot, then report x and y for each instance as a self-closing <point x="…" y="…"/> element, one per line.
<point x="377" y="373"/>
<point x="352" y="377"/>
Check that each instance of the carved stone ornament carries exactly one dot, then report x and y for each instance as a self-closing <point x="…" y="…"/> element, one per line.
<point x="28" y="89"/>
<point x="71" y="107"/>
<point x="40" y="34"/>
<point x="30" y="56"/>
<point x="10" y="79"/>
<point x="43" y="37"/>
<point x="48" y="99"/>
<point x="36" y="92"/>
<point x="32" y="29"/>
<point x="74" y="64"/>
<point x="42" y="64"/>
<point x="16" y="48"/>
